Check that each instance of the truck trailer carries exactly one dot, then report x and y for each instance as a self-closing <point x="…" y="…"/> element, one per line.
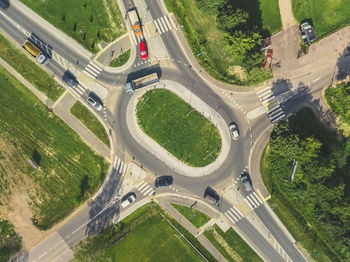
<point x="135" y="22"/>
<point x="32" y="49"/>
<point x="147" y="80"/>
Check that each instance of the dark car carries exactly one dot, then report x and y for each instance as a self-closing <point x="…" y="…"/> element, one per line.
<point x="211" y="195"/>
<point x="164" y="181"/>
<point x="70" y="79"/>
<point x="94" y="102"/>
<point x="4" y="4"/>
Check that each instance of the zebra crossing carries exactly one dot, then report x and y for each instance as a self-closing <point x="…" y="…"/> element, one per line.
<point x="233" y="214"/>
<point x="92" y="70"/>
<point x="253" y="200"/>
<point x="144" y="188"/>
<point x="119" y="165"/>
<point x="80" y="89"/>
<point x="162" y="24"/>
<point x="269" y="101"/>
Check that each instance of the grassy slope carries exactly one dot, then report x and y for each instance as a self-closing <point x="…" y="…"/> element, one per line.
<point x="90" y="121"/>
<point x="182" y="131"/>
<point x="326" y="15"/>
<point x="63" y="14"/>
<point x="270" y="15"/>
<point x="154" y="240"/>
<point x="68" y="168"/>
<point x="121" y="60"/>
<point x="197" y="218"/>
<point x="231" y="245"/>
<point x="30" y="70"/>
<point x="10" y="242"/>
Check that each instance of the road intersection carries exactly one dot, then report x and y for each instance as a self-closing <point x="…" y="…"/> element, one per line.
<point x="254" y="109"/>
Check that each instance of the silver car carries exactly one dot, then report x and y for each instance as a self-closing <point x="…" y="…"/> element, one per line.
<point x="234" y="131"/>
<point x="246" y="182"/>
<point x="94" y="103"/>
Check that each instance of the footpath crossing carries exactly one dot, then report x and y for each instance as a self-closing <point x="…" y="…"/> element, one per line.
<point x="269" y="101"/>
<point x="162" y="24"/>
<point x="253" y="200"/>
<point x="144" y="188"/>
<point x="92" y="70"/>
<point x="233" y="214"/>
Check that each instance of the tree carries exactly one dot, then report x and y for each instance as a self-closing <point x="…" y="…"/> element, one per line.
<point x="240" y="44"/>
<point x="230" y="18"/>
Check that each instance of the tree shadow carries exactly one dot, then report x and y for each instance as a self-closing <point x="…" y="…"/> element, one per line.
<point x="36" y="157"/>
<point x="343" y="64"/>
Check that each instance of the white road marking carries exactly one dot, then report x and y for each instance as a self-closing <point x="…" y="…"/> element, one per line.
<point x="161" y="26"/>
<point x="263" y="90"/>
<point x="145" y="188"/>
<point x="157" y="27"/>
<point x="148" y="191"/>
<point x="164" y="24"/>
<point x="167" y="21"/>
<point x="139" y="184"/>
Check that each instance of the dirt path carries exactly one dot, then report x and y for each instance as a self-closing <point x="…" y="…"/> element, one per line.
<point x="286" y="13"/>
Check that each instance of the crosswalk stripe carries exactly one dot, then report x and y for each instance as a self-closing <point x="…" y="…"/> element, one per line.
<point x="121" y="167"/>
<point x="151" y="193"/>
<point x="256" y="203"/>
<point x="92" y="70"/>
<point x="273" y="108"/>
<point x="139" y="184"/>
<point x="118" y="162"/>
<point x="239" y="212"/>
<point x="145" y="184"/>
<point x="164" y="24"/>
<point x="275" y="112"/>
<point x="167" y="21"/>
<point x="157" y="27"/>
<point x="124" y="169"/>
<point x="267" y="96"/>
<point x="160" y="25"/>
<point x="263" y="90"/>
<point x="233" y="222"/>
<point x="264" y="102"/>
<point x="144" y="189"/>
<point x="249" y="204"/>
<point x="89" y="74"/>
<point x="79" y="92"/>
<point x="234" y="211"/>
<point x="265" y="93"/>
<point x="91" y="64"/>
<point x="147" y="191"/>
<point x="232" y="215"/>
<point x="277" y="115"/>
<point x="277" y="119"/>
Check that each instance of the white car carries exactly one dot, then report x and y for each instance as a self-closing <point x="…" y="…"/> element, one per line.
<point x="95" y="104"/>
<point x="234" y="131"/>
<point x="128" y="201"/>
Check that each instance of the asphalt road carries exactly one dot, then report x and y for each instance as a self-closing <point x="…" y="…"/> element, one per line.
<point x="82" y="225"/>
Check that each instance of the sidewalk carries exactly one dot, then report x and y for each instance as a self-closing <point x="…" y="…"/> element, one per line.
<point x="190" y="228"/>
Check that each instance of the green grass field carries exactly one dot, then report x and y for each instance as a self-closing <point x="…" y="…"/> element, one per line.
<point x="326" y="15"/>
<point x="30" y="70"/>
<point x="231" y="245"/>
<point x="144" y="235"/>
<point x="121" y="60"/>
<point x="270" y="16"/>
<point x="90" y="121"/>
<point x="68" y="169"/>
<point x="197" y="218"/>
<point x="177" y="127"/>
<point x="100" y="20"/>
<point x="153" y="240"/>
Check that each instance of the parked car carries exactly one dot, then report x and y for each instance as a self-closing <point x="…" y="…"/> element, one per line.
<point x="128" y="200"/>
<point x="4" y="4"/>
<point x="143" y="51"/>
<point x="211" y="195"/>
<point x="234" y="131"/>
<point x="164" y="181"/>
<point x="307" y="33"/>
<point x="93" y="101"/>
<point x="70" y="79"/>
<point x="246" y="182"/>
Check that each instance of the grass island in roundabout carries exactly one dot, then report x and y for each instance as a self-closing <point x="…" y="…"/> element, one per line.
<point x="178" y="128"/>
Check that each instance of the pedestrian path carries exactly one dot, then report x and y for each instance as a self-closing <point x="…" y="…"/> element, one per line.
<point x="233" y="214"/>
<point x="144" y="188"/>
<point x="92" y="70"/>
<point x="269" y="101"/>
<point x="162" y="25"/>
<point x="253" y="200"/>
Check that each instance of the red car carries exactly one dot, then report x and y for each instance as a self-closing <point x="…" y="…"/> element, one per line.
<point x="143" y="51"/>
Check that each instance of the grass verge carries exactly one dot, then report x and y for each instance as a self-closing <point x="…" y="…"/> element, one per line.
<point x="231" y="245"/>
<point x="67" y="170"/>
<point x="10" y="242"/>
<point x="99" y="20"/>
<point x="326" y="15"/>
<point x="30" y="70"/>
<point x="121" y="60"/>
<point x="197" y="218"/>
<point x="143" y="236"/>
<point x="90" y="121"/>
<point x="178" y="128"/>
